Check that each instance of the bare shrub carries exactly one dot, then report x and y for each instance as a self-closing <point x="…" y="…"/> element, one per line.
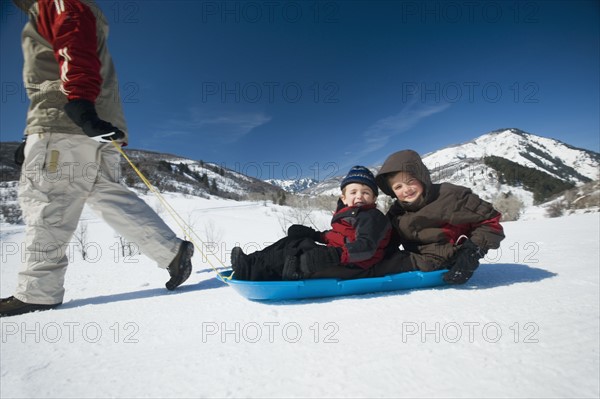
<point x="509" y="206"/>
<point x="80" y="237"/>
<point x="556" y="209"/>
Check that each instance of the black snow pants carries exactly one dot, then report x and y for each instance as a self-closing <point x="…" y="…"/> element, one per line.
<point x="267" y="264"/>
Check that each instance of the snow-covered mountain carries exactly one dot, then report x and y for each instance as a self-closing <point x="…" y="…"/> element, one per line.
<point x="293" y="186"/>
<point x="550" y="156"/>
<point x="177" y="174"/>
<point x="505" y="162"/>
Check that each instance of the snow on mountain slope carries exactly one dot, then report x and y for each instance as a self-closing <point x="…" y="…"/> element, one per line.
<point x="526" y="325"/>
<point x="519" y="147"/>
<point x="176" y="174"/>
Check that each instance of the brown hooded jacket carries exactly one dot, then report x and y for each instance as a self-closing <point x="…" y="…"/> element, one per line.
<point x="430" y="227"/>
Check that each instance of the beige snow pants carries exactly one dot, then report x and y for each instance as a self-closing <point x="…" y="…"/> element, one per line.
<point x="61" y="173"/>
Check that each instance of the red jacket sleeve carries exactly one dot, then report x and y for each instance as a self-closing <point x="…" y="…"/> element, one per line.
<point x="70" y="27"/>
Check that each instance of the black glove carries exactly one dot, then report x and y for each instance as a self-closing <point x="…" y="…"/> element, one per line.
<point x="319" y="258"/>
<point x="20" y="154"/>
<point x="83" y="113"/>
<point x="300" y="231"/>
<point x="465" y="261"/>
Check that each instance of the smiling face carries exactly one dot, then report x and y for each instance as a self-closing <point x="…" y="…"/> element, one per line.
<point x="356" y="194"/>
<point x="406" y="187"/>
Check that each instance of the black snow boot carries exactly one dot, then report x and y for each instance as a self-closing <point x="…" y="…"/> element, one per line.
<point x="181" y="266"/>
<point x="291" y="269"/>
<point x="240" y="264"/>
<point x="11" y="306"/>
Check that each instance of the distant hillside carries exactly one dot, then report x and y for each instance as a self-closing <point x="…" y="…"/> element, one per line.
<point x="9" y="171"/>
<point x="293" y="186"/>
<point x="172" y="173"/>
<point x="166" y="172"/>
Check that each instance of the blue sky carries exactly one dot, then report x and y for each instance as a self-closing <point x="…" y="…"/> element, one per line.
<point x="291" y="89"/>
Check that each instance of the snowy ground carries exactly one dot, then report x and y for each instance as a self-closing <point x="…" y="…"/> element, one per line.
<point x="526" y="325"/>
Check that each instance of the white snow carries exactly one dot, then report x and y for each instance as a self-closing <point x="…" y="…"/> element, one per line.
<point x="526" y="325"/>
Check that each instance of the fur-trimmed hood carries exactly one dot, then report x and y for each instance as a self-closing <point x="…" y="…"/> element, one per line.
<point x="405" y="161"/>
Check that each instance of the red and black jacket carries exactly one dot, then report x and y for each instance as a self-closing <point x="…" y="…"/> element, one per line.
<point x="362" y="233"/>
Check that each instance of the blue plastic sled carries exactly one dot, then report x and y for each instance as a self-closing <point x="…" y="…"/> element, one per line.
<point x="328" y="287"/>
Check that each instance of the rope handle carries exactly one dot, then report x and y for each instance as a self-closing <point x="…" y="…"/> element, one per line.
<point x="176" y="217"/>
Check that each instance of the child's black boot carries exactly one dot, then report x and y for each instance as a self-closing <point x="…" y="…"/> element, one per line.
<point x="291" y="269"/>
<point x="240" y="264"/>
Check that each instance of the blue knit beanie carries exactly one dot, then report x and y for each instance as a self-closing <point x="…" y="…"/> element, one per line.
<point x="362" y="175"/>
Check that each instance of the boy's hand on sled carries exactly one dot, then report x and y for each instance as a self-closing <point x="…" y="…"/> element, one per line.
<point x="83" y="113"/>
<point x="319" y="258"/>
<point x="300" y="231"/>
<point x="465" y="262"/>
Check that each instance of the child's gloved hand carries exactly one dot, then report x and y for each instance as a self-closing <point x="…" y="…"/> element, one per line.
<point x="465" y="262"/>
<point x="300" y="231"/>
<point x="319" y="258"/>
<point x="20" y="154"/>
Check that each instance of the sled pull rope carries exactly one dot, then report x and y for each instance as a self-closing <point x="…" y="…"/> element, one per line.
<point x="178" y="219"/>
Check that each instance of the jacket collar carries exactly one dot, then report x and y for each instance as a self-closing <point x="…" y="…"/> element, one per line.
<point x="341" y="207"/>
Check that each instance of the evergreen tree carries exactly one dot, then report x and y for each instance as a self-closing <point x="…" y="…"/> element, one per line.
<point x="540" y="183"/>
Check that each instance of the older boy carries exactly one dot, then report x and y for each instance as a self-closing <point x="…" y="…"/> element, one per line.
<point x="439" y="225"/>
<point x="355" y="243"/>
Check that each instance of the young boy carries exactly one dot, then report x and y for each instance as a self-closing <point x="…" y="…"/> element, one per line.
<point x="357" y="240"/>
<point x="439" y="225"/>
